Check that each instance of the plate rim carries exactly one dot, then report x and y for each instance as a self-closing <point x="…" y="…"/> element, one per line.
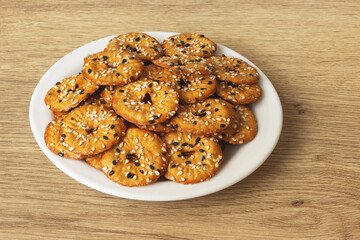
<point x="71" y="174"/>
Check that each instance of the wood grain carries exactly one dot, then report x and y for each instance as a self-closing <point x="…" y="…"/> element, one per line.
<point x="307" y="189"/>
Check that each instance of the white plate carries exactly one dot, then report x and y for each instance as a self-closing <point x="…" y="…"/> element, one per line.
<point x="239" y="160"/>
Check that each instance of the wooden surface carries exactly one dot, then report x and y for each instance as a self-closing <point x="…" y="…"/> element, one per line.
<point x="307" y="189"/>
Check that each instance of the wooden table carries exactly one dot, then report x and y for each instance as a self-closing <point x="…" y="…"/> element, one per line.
<point x="307" y="189"/>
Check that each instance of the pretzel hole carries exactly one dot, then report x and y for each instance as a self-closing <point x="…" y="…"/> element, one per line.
<point x="91" y="130"/>
<point x="131" y="157"/>
<point x="182" y="83"/>
<point x="147" y="99"/>
<point x="187" y="154"/>
<point x="200" y="114"/>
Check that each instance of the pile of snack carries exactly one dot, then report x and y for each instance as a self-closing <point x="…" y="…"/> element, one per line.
<point x="140" y="109"/>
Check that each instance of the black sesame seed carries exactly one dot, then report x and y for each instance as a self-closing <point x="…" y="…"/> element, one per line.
<point x="114" y="162"/>
<point x="151" y="121"/>
<point x="184" y="144"/>
<point x="156" y="117"/>
<point x="176" y="126"/>
<point x="202" y="150"/>
<point x="210" y="82"/>
<point x="222" y="125"/>
<point x="202" y="46"/>
<point x="216" y="109"/>
<point x="112" y="126"/>
<point x="131" y="58"/>
<point x="151" y="167"/>
<point x="121" y="90"/>
<point x="57" y="83"/>
<point x="137" y="39"/>
<point x="137" y="164"/>
<point x="202" y="35"/>
<point x="131" y="78"/>
<point x="175" y="143"/>
<point x="158" y="170"/>
<point x="188" y="162"/>
<point x="155" y="49"/>
<point x="60" y="154"/>
<point x="105" y="137"/>
<point x="178" y="45"/>
<point x="194" y="122"/>
<point x="202" y="158"/>
<point x="117" y="74"/>
<point x="251" y="75"/>
<point x="186" y="45"/>
<point x="150" y="85"/>
<point x="89" y="70"/>
<point x="207" y="105"/>
<point x="232" y="93"/>
<point x="141" y="171"/>
<point x="223" y="134"/>
<point x="105" y="58"/>
<point x="172" y="39"/>
<point x="111" y="172"/>
<point x="116" y="134"/>
<point x="60" y="100"/>
<point x="206" y="52"/>
<point x="182" y="42"/>
<point x="190" y="145"/>
<point x="117" y="150"/>
<point x="59" y="91"/>
<point x="197" y="140"/>
<point x="183" y="51"/>
<point x="88" y="94"/>
<point x="72" y="118"/>
<point x="127" y="46"/>
<point x="189" y="38"/>
<point x="124" y="60"/>
<point x="63" y="135"/>
<point x="130" y="175"/>
<point x="173" y="166"/>
<point x="203" y="89"/>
